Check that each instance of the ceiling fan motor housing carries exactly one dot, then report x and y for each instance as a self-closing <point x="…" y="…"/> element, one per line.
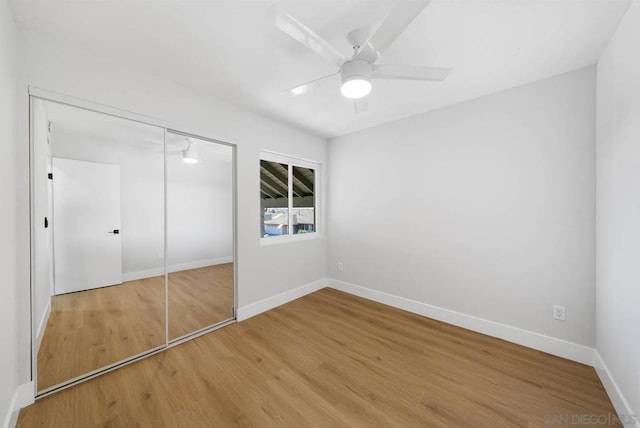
<point x="356" y="69"/>
<point x="356" y="78"/>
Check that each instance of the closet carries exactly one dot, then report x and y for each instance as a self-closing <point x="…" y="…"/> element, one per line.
<point x="133" y="238"/>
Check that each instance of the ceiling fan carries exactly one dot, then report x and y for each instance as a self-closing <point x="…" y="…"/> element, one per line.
<point x="357" y="72"/>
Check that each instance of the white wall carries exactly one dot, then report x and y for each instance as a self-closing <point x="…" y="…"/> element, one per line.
<point x="8" y="172"/>
<point x="618" y="208"/>
<point x="484" y="208"/>
<point x="263" y="271"/>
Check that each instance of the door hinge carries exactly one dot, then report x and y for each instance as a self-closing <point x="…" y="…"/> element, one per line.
<point x="233" y="311"/>
<point x="50" y="176"/>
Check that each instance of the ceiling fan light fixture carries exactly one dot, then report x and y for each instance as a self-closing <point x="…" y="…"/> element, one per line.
<point x="189" y="155"/>
<point x="356" y="79"/>
<point x="356" y="88"/>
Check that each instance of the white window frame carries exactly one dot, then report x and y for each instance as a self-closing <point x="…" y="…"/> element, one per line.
<point x="292" y="161"/>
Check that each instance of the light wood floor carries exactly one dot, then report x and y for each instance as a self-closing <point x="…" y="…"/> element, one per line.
<point x="199" y="298"/>
<point x="335" y="360"/>
<point x="91" y="329"/>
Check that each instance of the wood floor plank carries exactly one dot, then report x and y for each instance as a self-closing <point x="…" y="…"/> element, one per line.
<point x="330" y="359"/>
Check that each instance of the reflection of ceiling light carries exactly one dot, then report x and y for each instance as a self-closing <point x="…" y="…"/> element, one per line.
<point x="189" y="155"/>
<point x="299" y="90"/>
<point x="356" y="79"/>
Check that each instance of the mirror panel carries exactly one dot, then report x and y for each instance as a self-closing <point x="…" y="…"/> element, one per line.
<point x="200" y="253"/>
<point x="98" y="241"/>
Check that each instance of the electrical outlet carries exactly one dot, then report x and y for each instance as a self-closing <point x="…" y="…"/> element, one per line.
<point x="558" y="312"/>
<point x="340" y="266"/>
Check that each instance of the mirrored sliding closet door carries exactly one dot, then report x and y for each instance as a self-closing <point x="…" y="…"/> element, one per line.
<point x="98" y="241"/>
<point x="200" y="247"/>
<point x="132" y="244"/>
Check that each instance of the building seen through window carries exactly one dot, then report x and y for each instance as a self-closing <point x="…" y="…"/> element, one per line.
<point x="287" y="196"/>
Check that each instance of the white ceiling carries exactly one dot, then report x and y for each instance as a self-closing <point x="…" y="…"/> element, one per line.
<point x="232" y="50"/>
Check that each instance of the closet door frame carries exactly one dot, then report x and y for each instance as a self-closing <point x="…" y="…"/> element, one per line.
<point x="46" y="95"/>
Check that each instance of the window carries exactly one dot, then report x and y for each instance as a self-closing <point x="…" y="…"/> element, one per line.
<point x="288" y="196"/>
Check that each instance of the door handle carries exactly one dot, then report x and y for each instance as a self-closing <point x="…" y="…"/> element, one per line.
<point x="115" y="231"/>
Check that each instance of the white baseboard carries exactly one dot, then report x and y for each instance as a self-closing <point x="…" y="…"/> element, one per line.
<point x="42" y="325"/>
<point x="623" y="409"/>
<point x="264" y="305"/>
<point x="562" y="348"/>
<point x="199" y="263"/>
<point x="150" y="273"/>
<point x="22" y="397"/>
<point x="25" y="395"/>
<point x="141" y="274"/>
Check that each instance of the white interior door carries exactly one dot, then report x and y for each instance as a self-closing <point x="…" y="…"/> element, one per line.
<point x="86" y="225"/>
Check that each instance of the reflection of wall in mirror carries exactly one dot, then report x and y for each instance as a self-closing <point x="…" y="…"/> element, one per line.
<point x="199" y="210"/>
<point x="142" y="193"/>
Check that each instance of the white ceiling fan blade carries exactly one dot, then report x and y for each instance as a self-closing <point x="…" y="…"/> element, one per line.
<point x="360" y="105"/>
<point x="410" y="72"/>
<point x="306" y="87"/>
<point x="402" y="14"/>
<point x="298" y="31"/>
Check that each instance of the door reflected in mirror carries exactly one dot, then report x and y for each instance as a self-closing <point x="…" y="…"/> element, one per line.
<point x="98" y="239"/>
<point x="199" y="234"/>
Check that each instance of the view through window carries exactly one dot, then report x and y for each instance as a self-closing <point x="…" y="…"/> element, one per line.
<point x="287" y="196"/>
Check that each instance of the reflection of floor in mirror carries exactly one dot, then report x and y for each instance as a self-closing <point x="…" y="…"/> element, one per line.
<point x="90" y="329"/>
<point x="199" y="298"/>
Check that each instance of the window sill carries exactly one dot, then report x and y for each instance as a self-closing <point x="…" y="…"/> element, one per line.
<point x="276" y="240"/>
